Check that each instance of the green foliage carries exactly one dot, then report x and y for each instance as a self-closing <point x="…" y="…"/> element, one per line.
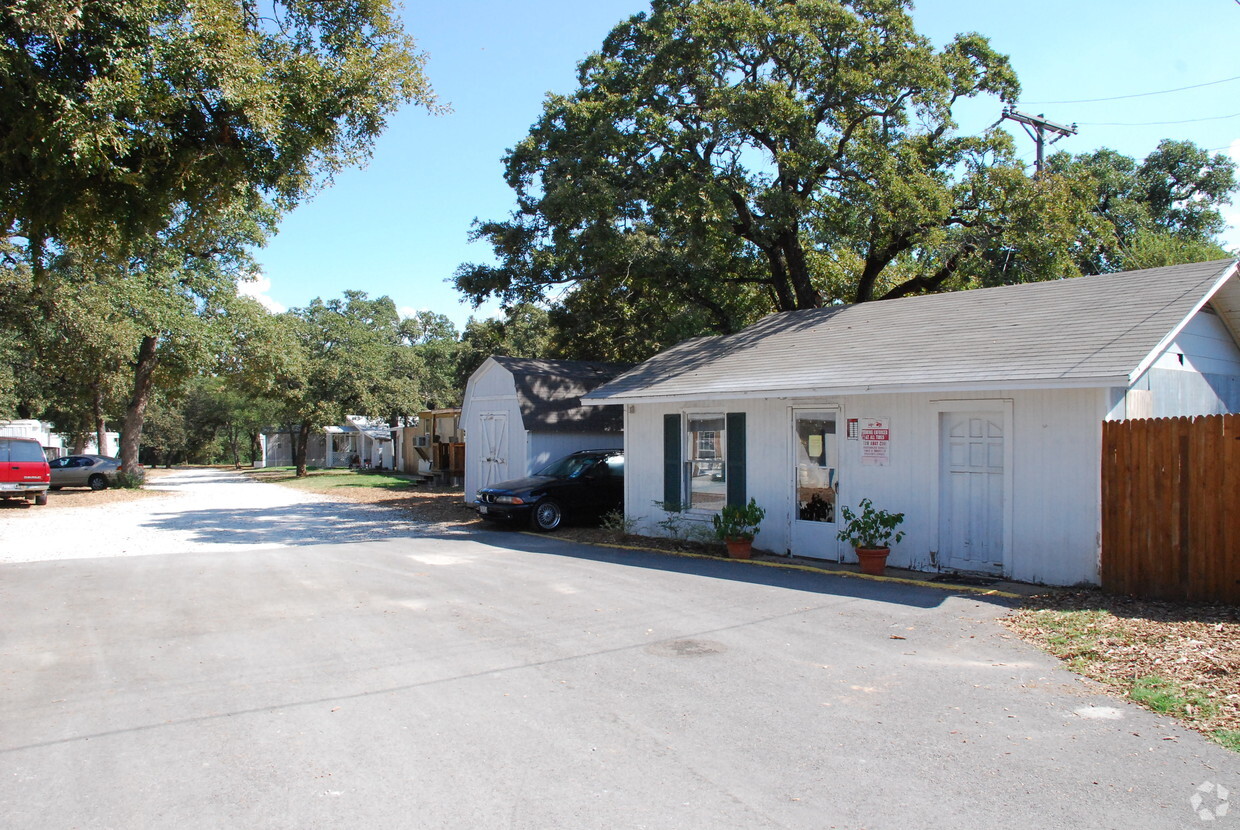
<point x="734" y="158"/>
<point x="617" y="522"/>
<point x="349" y="356"/>
<point x="522" y="333"/>
<point x="1229" y="738"/>
<point x="115" y="117"/>
<point x="872" y="528"/>
<point x="129" y="481"/>
<point x="1164" y="210"/>
<point x="738" y="521"/>
<point x="1170" y="698"/>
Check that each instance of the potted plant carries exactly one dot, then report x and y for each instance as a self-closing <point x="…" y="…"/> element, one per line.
<point x="871" y="534"/>
<point x="736" y="526"/>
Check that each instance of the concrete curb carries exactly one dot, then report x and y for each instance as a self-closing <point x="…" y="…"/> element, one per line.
<point x="898" y="580"/>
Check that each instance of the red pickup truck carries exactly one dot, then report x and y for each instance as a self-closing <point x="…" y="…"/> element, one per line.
<point x="24" y="473"/>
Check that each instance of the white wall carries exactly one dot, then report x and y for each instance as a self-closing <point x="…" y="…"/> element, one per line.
<point x="1054" y="477"/>
<point x="1204" y="345"/>
<point x="545" y="447"/>
<point x="491" y="389"/>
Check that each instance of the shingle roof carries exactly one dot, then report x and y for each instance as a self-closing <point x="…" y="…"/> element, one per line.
<point x="549" y="393"/>
<point x="1087" y="331"/>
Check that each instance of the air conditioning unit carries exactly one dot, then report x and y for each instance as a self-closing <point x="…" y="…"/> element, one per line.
<point x="421" y="440"/>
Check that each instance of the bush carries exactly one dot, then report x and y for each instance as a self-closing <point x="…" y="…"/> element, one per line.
<point x="129" y="481"/>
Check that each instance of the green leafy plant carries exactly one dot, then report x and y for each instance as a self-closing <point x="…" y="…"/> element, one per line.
<point x="738" y="521"/>
<point x="616" y="522"/>
<point x="129" y="481"/>
<point x="873" y="528"/>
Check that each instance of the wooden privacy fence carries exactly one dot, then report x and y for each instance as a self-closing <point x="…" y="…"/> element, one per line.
<point x="1171" y="508"/>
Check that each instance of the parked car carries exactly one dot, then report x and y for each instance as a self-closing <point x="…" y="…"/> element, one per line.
<point x="93" y="471"/>
<point x="585" y="484"/>
<point x="23" y="470"/>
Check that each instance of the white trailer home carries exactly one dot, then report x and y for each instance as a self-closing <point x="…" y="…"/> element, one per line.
<point x="978" y="414"/>
<point x="520" y="414"/>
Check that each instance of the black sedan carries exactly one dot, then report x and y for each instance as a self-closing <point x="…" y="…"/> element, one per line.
<point x="588" y="483"/>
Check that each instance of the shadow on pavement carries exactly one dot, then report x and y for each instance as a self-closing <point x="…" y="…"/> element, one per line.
<point x="316" y="524"/>
<point x="312" y="523"/>
<point x="751" y="572"/>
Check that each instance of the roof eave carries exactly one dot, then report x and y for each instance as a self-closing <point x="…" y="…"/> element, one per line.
<point x="1099" y="381"/>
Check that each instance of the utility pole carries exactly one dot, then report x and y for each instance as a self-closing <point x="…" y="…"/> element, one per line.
<point x="1037" y="126"/>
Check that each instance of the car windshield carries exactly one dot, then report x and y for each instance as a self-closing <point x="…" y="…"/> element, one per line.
<point x="570" y="466"/>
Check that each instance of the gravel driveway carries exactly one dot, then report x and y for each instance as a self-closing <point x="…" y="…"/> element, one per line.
<point x="204" y="511"/>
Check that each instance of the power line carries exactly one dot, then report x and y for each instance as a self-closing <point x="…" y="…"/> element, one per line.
<point x="1135" y="94"/>
<point x="1156" y="123"/>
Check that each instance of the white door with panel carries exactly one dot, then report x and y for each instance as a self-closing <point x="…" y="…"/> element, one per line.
<point x="972" y="491"/>
<point x="493" y="461"/>
<point x="815" y="483"/>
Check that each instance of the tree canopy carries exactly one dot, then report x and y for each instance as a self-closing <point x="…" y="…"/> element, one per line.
<point x="793" y="154"/>
<point x="153" y="143"/>
<point x="115" y="117"/>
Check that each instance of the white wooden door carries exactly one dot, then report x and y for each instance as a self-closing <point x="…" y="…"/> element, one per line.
<point x="493" y="462"/>
<point x="815" y="484"/>
<point x="972" y="491"/>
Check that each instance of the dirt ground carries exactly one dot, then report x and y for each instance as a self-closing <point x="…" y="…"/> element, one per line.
<point x="86" y="497"/>
<point x="1119" y="641"/>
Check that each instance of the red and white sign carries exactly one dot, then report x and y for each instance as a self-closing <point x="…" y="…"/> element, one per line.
<point x="875" y="442"/>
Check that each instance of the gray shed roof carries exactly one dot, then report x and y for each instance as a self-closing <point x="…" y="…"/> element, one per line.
<point x="549" y="393"/>
<point x="1088" y="331"/>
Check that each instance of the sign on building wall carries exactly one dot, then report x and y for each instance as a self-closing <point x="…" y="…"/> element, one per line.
<point x="875" y="442"/>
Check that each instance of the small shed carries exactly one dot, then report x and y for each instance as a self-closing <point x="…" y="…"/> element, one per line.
<point x="433" y="447"/>
<point x="978" y="414"/>
<point x="521" y="413"/>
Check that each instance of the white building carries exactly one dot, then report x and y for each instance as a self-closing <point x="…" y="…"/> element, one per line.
<point x="57" y="444"/>
<point x="520" y="414"/>
<point x="978" y="414"/>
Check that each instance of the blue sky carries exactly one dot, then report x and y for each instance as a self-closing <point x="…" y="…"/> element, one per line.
<point x="400" y="226"/>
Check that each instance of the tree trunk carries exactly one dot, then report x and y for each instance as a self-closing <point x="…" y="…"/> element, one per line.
<point x="256" y="447"/>
<point x="135" y="412"/>
<point x="299" y="449"/>
<point x="101" y="425"/>
<point x="798" y="272"/>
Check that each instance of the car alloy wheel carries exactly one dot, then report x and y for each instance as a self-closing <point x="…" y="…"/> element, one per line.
<point x="547" y="515"/>
<point x="97" y="482"/>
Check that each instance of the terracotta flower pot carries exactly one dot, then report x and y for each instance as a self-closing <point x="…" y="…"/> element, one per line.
<point x="873" y="561"/>
<point x="739" y="548"/>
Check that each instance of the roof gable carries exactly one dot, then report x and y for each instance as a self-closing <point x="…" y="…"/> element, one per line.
<point x="1087" y="331"/>
<point x="549" y="393"/>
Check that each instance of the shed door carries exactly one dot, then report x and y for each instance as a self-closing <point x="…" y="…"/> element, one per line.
<point x="971" y="513"/>
<point x="494" y="457"/>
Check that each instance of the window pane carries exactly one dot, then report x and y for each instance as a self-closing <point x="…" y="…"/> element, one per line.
<point x="707" y="467"/>
<point x="817" y="465"/>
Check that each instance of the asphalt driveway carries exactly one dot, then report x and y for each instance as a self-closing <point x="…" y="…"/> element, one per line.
<point x="505" y="680"/>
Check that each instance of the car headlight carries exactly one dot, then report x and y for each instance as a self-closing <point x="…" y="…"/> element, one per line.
<point x="509" y="500"/>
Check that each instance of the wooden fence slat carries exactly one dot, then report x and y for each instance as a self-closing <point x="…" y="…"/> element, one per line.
<point x="1170" y="512"/>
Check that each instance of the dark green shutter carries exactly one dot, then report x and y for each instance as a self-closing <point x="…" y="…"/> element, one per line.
<point x="671" y="463"/>
<point x="736" y="459"/>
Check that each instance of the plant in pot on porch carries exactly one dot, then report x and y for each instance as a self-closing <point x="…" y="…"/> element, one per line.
<point x="736" y="526"/>
<point x="870" y="533"/>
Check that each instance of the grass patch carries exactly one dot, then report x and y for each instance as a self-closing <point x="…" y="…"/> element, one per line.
<point x="1171" y="698"/>
<point x="1177" y="659"/>
<point x="330" y="479"/>
<point x="1229" y="738"/>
